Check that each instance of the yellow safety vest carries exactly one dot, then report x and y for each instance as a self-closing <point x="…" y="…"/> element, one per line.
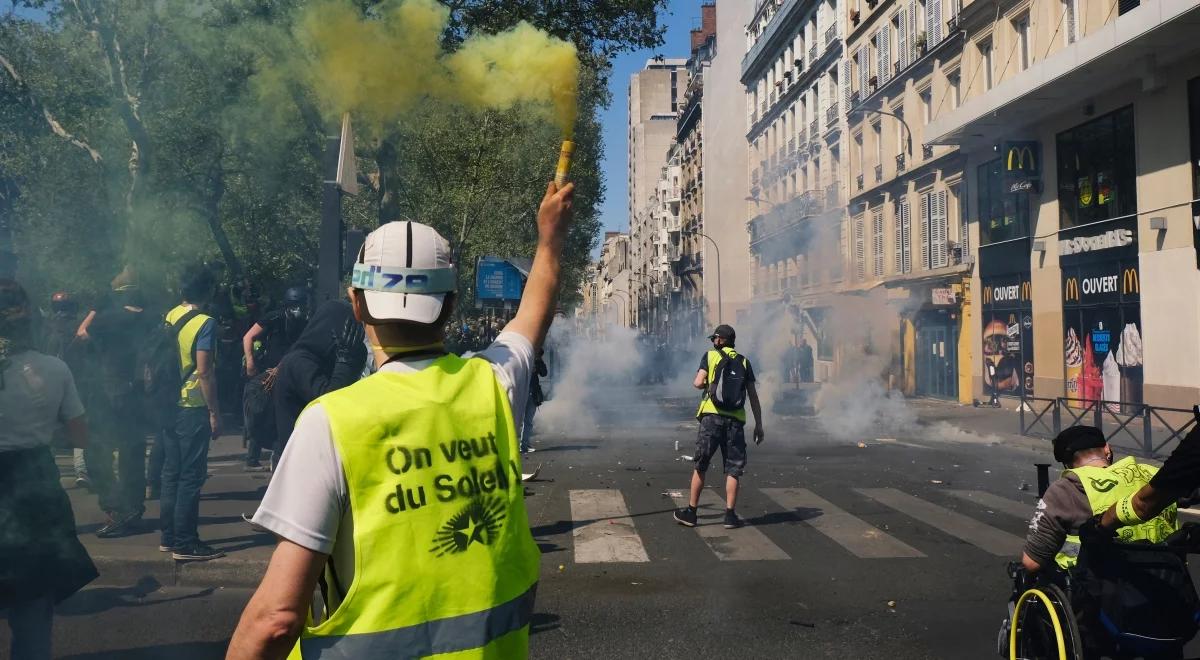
<point x="445" y="563"/>
<point x="707" y="407"/>
<point x="190" y="396"/>
<point x="1104" y="487"/>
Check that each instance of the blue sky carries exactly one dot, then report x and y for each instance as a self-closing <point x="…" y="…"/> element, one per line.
<point x="680" y="18"/>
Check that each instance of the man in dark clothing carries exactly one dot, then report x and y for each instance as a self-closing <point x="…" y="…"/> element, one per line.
<point x="722" y="429"/>
<point x="118" y="331"/>
<point x="329" y="355"/>
<point x="263" y="346"/>
<point x="1179" y="477"/>
<point x="805" y="361"/>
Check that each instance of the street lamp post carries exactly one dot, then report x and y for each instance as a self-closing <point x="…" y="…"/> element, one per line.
<point x="898" y="118"/>
<point x="717" y="250"/>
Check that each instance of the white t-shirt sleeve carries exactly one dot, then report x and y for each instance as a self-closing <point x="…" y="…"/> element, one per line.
<point x="307" y="496"/>
<point x="511" y="356"/>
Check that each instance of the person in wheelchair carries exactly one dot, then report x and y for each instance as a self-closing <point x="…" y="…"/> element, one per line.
<point x="1082" y="594"/>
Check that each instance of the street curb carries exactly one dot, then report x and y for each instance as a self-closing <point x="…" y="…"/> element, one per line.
<point x="223" y="572"/>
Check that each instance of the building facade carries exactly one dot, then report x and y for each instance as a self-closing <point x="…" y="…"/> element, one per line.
<point x="795" y="78"/>
<point x="905" y="229"/>
<point x="612" y="299"/>
<point x="655" y="94"/>
<point x="1079" y="125"/>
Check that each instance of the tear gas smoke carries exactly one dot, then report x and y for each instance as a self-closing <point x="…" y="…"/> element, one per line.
<point x="380" y="66"/>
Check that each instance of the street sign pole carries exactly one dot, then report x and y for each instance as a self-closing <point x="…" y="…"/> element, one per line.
<point x="340" y="177"/>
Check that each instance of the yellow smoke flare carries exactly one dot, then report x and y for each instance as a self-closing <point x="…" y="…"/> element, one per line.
<point x="379" y="67"/>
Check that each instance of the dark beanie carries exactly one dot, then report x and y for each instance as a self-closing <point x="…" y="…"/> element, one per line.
<point x="1077" y="438"/>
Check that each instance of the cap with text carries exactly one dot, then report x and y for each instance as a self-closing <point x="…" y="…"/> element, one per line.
<point x="405" y="271"/>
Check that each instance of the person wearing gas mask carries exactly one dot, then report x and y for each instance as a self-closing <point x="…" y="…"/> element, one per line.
<point x="263" y="346"/>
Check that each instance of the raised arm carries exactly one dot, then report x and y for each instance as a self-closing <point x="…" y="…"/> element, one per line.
<point x="538" y="302"/>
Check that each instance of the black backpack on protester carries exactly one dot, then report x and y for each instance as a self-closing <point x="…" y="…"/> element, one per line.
<point x="727" y="382"/>
<point x="162" y="373"/>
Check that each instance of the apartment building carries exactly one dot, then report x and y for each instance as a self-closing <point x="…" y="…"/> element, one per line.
<point x="905" y="229"/>
<point x="1079" y="125"/>
<point x="655" y="94"/>
<point x="659" y="288"/>
<point x="612" y="299"/>
<point x="795" y="78"/>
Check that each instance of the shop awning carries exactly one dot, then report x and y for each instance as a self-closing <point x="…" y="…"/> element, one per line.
<point x="1129" y="48"/>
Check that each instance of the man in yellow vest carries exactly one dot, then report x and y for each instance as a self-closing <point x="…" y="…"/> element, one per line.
<point x="727" y="379"/>
<point x="1090" y="484"/>
<point x="401" y="494"/>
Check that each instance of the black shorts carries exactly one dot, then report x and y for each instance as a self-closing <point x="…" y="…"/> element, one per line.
<point x="727" y="434"/>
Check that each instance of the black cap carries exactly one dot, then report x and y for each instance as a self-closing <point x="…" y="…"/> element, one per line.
<point x="1077" y="438"/>
<point x="724" y="332"/>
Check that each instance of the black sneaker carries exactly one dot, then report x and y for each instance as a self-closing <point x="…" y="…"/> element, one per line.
<point x="686" y="516"/>
<point x="256" y="467"/>
<point x="123" y="525"/>
<point x="197" y="552"/>
<point x="732" y="521"/>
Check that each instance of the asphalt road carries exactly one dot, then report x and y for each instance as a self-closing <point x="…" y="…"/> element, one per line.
<point x="892" y="549"/>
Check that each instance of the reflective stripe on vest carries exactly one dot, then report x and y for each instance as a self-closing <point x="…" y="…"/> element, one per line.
<point x="190" y="396"/>
<point x="707" y="407"/>
<point x="1105" y="487"/>
<point x="460" y="633"/>
<point x="445" y="563"/>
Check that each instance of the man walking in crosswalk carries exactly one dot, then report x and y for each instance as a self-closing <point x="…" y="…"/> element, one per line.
<point x="727" y="379"/>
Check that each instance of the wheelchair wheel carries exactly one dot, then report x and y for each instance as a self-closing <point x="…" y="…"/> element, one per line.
<point x="1044" y="627"/>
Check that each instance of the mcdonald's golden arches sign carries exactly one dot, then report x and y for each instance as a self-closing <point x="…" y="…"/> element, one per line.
<point x="1130" y="282"/>
<point x="1071" y="290"/>
<point x="1023" y="159"/>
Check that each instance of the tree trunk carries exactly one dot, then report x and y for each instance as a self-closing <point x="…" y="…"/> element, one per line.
<point x="212" y="215"/>
<point x="386" y="159"/>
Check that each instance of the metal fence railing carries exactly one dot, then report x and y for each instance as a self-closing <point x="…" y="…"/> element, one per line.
<point x="1150" y="428"/>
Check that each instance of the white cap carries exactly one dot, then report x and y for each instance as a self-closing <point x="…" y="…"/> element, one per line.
<point x="405" y="272"/>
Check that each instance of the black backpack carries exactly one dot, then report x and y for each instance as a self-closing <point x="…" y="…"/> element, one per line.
<point x="162" y="373"/>
<point x="727" y="382"/>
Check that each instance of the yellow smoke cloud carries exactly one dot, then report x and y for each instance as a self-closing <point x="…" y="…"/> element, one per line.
<point x="379" y="67"/>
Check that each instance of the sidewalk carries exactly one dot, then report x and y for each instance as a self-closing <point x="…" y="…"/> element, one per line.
<point x="228" y="493"/>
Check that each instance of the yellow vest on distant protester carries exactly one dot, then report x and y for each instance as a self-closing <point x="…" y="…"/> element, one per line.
<point x="707" y="407"/>
<point x="1105" y="487"/>
<point x="445" y="564"/>
<point x="190" y="396"/>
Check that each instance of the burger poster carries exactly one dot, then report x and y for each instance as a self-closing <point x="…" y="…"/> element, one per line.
<point x="1008" y="336"/>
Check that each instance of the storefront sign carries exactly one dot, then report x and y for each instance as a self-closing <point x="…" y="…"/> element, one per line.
<point x="1008" y="335"/>
<point x="1116" y="238"/>
<point x="944" y="296"/>
<point x="1022" y="159"/>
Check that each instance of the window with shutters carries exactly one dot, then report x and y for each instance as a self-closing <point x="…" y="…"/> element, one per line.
<point x="933" y="21"/>
<point x="900" y="27"/>
<point x="897" y="242"/>
<point x="934" y="249"/>
<point x="877" y="242"/>
<point x="883" y="53"/>
<point x="1069" y="33"/>
<point x="860" y="257"/>
<point x="958" y="219"/>
<point x="864" y="73"/>
<point x="1021" y="30"/>
<point x="903" y="238"/>
<point x="985" y="56"/>
<point x="844" y="79"/>
<point x="914" y="20"/>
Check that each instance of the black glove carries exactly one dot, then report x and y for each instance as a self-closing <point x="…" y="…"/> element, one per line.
<point x="348" y="345"/>
<point x="1092" y="532"/>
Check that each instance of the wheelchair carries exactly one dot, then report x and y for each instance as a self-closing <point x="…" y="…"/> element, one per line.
<point x="1121" y="600"/>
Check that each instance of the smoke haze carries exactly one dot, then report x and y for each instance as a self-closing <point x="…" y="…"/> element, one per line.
<point x="379" y="67"/>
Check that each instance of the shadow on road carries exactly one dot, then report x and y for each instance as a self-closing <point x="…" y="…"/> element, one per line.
<point x="184" y="651"/>
<point x="796" y="515"/>
<point x="101" y="599"/>
<point x="255" y="495"/>
<point x="543" y="622"/>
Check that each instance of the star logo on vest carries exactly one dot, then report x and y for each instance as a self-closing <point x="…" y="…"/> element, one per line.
<point x="477" y="522"/>
<point x="1104" y="485"/>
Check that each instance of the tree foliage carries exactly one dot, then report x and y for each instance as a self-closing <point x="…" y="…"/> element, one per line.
<point x="157" y="133"/>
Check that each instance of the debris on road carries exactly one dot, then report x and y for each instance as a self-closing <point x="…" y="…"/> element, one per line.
<point x="862" y="445"/>
<point x="561" y="568"/>
<point x="891" y="604"/>
<point x="1024" y="486"/>
<point x="936" y="482"/>
<point x="685" y="457"/>
<point x="672" y="493"/>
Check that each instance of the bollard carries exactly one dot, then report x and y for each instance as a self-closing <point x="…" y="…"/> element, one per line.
<point x="1043" y="472"/>
<point x="1057" y="416"/>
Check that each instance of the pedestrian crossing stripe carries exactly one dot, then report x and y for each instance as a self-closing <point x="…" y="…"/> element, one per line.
<point x="603" y="529"/>
<point x="861" y="539"/>
<point x="745" y="544"/>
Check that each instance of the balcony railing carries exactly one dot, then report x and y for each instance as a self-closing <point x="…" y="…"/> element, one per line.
<point x="774" y="97"/>
<point x="926" y="151"/>
<point x="831" y="114"/>
<point x="854" y="98"/>
<point x="754" y="118"/>
<point x="791" y="146"/>
<point x="878" y="173"/>
<point x="801" y="138"/>
<point x="858" y="180"/>
<point x="899" y="163"/>
<point x="812" y="53"/>
<point x="763" y="109"/>
<point x="830" y="35"/>
<point x="814" y="128"/>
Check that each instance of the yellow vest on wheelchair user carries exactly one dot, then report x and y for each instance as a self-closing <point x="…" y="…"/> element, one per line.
<point x="1105" y="487"/>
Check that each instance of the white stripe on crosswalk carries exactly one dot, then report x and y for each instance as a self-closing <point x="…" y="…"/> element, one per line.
<point x="995" y="502"/>
<point x="604" y="531"/>
<point x="853" y="534"/>
<point x="968" y="529"/>
<point x="745" y="544"/>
